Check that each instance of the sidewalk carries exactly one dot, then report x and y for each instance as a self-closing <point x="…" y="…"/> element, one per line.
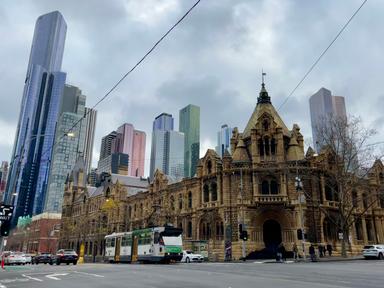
<point x="318" y="260"/>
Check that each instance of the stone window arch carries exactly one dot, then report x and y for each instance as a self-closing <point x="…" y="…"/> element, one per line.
<point x="189" y="229"/>
<point x="206" y="193"/>
<point x="213" y="191"/>
<point x="331" y="190"/>
<point x="180" y="201"/>
<point x="190" y="199"/>
<point x="273" y="146"/>
<point x="209" y="167"/>
<point x="269" y="186"/>
<point x="266" y="145"/>
<point x="261" y="147"/>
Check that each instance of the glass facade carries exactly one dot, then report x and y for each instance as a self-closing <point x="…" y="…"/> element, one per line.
<point x="224" y="140"/>
<point x="189" y="124"/>
<point x="40" y="108"/>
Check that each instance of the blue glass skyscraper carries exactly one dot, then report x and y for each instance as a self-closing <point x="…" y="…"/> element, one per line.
<point x="40" y="107"/>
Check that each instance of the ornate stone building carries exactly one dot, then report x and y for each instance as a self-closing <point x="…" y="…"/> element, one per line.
<point x="254" y="187"/>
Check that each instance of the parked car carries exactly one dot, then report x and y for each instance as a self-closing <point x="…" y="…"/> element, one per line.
<point x="13" y="258"/>
<point x="374" y="251"/>
<point x="189" y="256"/>
<point x="27" y="258"/>
<point x="64" y="256"/>
<point x="43" y="257"/>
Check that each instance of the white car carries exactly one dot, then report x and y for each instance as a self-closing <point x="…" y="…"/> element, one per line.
<point x="374" y="251"/>
<point x="189" y="256"/>
<point x="12" y="258"/>
<point x="27" y="258"/>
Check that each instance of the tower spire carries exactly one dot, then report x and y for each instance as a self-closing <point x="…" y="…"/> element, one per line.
<point x="263" y="95"/>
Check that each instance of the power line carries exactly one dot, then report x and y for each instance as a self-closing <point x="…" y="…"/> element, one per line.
<point x="126" y="74"/>
<point x="322" y="54"/>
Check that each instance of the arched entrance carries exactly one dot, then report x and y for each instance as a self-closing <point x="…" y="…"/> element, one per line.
<point x="271" y="234"/>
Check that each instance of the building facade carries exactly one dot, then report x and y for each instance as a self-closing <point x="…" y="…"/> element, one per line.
<point x="254" y="186"/>
<point x="167" y="151"/>
<point x="3" y="178"/>
<point x="90" y="213"/>
<point x="116" y="163"/>
<point x="189" y="124"/>
<point x="224" y="140"/>
<point x="90" y="124"/>
<point x="39" y="113"/>
<point x="322" y="105"/>
<point x="67" y="148"/>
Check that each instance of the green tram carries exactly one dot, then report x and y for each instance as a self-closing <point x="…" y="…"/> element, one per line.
<point x="158" y="244"/>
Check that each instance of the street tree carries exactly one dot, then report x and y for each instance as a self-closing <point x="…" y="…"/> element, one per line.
<point x="346" y="157"/>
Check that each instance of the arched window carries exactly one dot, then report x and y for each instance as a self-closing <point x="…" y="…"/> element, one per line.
<point x="189" y="229"/>
<point x="354" y="198"/>
<point x="365" y="201"/>
<point x="213" y="191"/>
<point x="261" y="147"/>
<point x="265" y="125"/>
<point x="273" y="146"/>
<point x="107" y="193"/>
<point x="358" y="229"/>
<point x="206" y="193"/>
<point x="266" y="144"/>
<point x="189" y="199"/>
<point x="274" y="187"/>
<point x="265" y="187"/>
<point x="331" y="190"/>
<point x="172" y="203"/>
<point x="180" y="201"/>
<point x="209" y="167"/>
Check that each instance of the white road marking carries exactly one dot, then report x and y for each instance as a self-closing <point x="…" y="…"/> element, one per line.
<point x="31" y="278"/>
<point x="54" y="276"/>
<point x="2" y="286"/>
<point x="90" y="274"/>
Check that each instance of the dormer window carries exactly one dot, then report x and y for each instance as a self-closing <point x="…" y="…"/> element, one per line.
<point x="209" y="167"/>
<point x="265" y="125"/>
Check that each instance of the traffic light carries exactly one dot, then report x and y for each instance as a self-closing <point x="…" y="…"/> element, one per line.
<point x="244" y="235"/>
<point x="4" y="228"/>
<point x="299" y="234"/>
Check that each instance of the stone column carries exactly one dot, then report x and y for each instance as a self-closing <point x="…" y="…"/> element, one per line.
<point x="365" y="235"/>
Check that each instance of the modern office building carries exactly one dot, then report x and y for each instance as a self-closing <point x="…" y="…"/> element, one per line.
<point x="163" y="122"/>
<point x="3" y="179"/>
<point x="107" y="143"/>
<point x="90" y="124"/>
<point x="69" y="146"/>
<point x="132" y="142"/>
<point x="116" y="163"/>
<point x="224" y="140"/>
<point x="39" y="113"/>
<point x="322" y="104"/>
<point x="189" y="124"/>
<point x="167" y="152"/>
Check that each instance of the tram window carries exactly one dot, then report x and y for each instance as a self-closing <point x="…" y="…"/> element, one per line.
<point x="113" y="242"/>
<point x="156" y="238"/>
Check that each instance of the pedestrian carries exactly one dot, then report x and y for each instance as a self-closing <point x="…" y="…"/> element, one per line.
<point x="312" y="253"/>
<point x="321" y="250"/>
<point x="279" y="255"/>
<point x="329" y="249"/>
<point x="283" y="253"/>
<point x="295" y="252"/>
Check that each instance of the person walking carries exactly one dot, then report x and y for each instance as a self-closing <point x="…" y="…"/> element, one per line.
<point x="283" y="253"/>
<point x="321" y="250"/>
<point x="329" y="249"/>
<point x="312" y="253"/>
<point x="279" y="254"/>
<point x="295" y="252"/>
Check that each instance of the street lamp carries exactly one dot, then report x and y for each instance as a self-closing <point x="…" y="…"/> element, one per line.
<point x="299" y="188"/>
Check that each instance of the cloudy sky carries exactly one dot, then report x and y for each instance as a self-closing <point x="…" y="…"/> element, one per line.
<point x="213" y="59"/>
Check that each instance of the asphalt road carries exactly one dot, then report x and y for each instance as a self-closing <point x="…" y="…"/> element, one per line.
<point x="332" y="274"/>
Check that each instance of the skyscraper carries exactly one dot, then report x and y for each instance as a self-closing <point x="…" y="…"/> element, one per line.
<point x="189" y="124"/>
<point x="39" y="113"/>
<point x="322" y="104"/>
<point x="68" y="148"/>
<point x="3" y="178"/>
<point x="90" y="127"/>
<point x="131" y="142"/>
<point x="128" y="141"/>
<point x="223" y="140"/>
<point x="167" y="153"/>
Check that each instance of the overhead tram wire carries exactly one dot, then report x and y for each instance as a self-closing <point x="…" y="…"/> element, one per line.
<point x="126" y="74"/>
<point x="322" y="54"/>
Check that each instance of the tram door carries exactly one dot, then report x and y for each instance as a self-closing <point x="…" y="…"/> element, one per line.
<point x="135" y="242"/>
<point x="117" y="249"/>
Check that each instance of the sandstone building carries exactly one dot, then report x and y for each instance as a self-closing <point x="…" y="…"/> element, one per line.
<point x="254" y="186"/>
